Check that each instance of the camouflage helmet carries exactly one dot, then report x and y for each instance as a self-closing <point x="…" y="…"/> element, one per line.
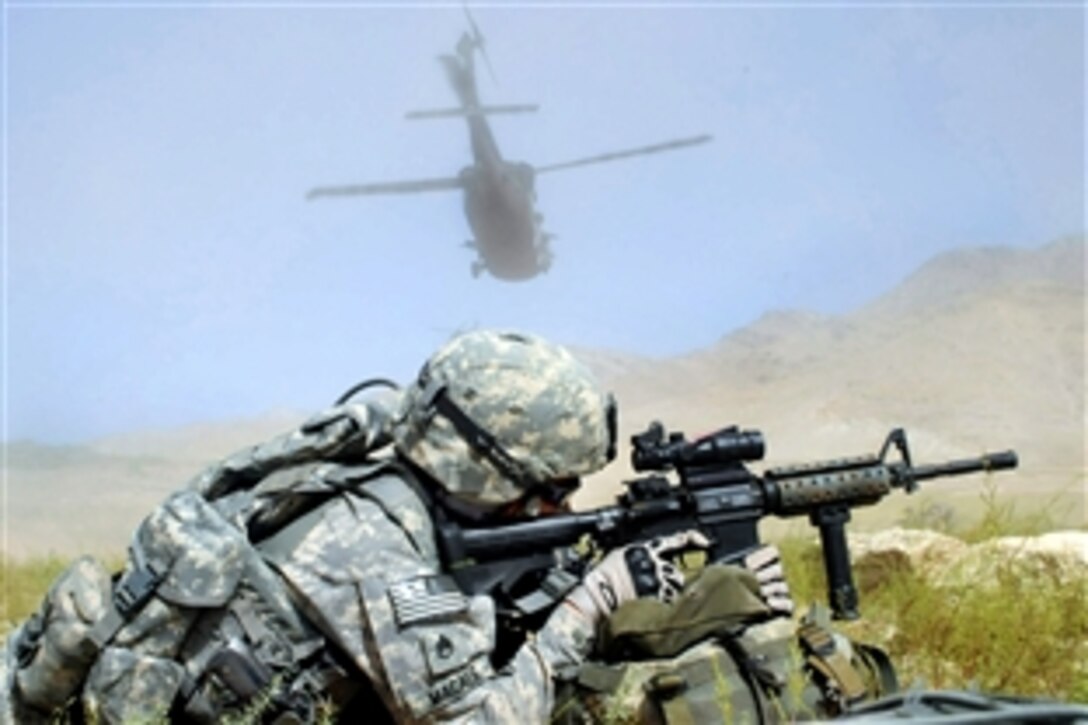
<point x="495" y="415"/>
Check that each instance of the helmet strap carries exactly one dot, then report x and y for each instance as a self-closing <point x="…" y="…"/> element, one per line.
<point x="479" y="439"/>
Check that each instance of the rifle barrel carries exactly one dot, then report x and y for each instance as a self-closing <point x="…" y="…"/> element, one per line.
<point x="987" y="462"/>
<point x="536" y="535"/>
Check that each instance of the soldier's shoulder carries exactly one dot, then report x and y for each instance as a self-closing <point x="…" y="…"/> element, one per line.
<point x="372" y="505"/>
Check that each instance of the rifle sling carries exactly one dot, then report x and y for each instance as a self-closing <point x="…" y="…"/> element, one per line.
<point x="552" y="590"/>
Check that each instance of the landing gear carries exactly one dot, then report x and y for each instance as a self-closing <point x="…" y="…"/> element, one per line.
<point x="544" y="254"/>
<point x="478" y="264"/>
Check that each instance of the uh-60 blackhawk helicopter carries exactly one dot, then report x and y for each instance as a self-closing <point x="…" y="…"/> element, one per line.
<point x="499" y="195"/>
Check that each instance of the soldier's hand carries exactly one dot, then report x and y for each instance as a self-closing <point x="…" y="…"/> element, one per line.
<point x="638" y="570"/>
<point x="766" y="563"/>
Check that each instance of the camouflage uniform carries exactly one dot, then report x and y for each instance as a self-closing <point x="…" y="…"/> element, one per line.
<point x="367" y="570"/>
<point x="493" y="418"/>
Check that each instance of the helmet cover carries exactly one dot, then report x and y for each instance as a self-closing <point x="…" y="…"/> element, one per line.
<point x="541" y="408"/>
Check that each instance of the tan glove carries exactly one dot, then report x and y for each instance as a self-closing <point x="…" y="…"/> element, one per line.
<point x="637" y="570"/>
<point x="766" y="563"/>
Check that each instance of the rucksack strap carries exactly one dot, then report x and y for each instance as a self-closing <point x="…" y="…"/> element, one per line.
<point x="880" y="665"/>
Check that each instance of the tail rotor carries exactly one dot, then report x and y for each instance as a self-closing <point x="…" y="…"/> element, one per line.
<point x="477" y="40"/>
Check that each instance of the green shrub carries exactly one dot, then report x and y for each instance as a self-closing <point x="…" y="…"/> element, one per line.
<point x="1014" y="634"/>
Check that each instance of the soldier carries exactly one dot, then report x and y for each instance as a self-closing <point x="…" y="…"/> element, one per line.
<point x="303" y="574"/>
<point x="496" y="426"/>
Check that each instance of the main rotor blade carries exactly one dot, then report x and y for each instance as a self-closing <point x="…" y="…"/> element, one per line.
<point x="667" y="146"/>
<point x="477" y="111"/>
<point x="394" y="187"/>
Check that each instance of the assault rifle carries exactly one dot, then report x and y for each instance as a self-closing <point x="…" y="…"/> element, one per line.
<point x="528" y="567"/>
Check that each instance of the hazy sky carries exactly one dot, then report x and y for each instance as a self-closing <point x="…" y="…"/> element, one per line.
<point x="162" y="265"/>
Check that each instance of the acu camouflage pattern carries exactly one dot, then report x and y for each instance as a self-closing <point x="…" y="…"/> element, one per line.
<point x="349" y="559"/>
<point x="48" y="656"/>
<point x="542" y="405"/>
<point x="351" y="430"/>
<point x="212" y="580"/>
<point x="210" y="590"/>
<point x="218" y="592"/>
<point x="213" y="587"/>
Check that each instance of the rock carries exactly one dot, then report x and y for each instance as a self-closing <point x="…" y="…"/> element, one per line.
<point x="879" y="555"/>
<point x="1060" y="556"/>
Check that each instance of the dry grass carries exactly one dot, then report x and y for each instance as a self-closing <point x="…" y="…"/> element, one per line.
<point x="1015" y="634"/>
<point x="22" y="586"/>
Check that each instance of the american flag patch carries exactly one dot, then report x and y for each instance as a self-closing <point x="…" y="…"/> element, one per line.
<point x="426" y="598"/>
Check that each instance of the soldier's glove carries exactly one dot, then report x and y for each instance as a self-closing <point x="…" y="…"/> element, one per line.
<point x="766" y="563"/>
<point x="637" y="570"/>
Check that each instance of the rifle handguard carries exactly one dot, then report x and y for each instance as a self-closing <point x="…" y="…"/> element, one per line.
<point x="795" y="494"/>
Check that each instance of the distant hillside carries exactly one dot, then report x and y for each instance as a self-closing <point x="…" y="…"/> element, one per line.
<point x="979" y="349"/>
<point x="198" y="444"/>
<point x="69" y="499"/>
<point x="957" y="275"/>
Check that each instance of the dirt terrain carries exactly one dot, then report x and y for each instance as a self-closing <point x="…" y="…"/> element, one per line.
<point x="979" y="349"/>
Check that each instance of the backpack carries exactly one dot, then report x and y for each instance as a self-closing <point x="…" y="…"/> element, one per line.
<point x="718" y="655"/>
<point x="198" y="625"/>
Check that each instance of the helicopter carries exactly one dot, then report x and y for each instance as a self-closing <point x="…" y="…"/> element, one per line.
<point x="510" y="242"/>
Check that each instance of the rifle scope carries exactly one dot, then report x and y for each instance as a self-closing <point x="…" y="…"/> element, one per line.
<point x="651" y="451"/>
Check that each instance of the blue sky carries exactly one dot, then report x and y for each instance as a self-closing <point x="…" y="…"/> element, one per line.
<point x="163" y="267"/>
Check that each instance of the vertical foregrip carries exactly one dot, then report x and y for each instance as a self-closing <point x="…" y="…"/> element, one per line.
<point x="842" y="596"/>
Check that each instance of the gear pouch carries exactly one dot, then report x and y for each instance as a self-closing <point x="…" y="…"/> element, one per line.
<point x="54" y="649"/>
<point x="185" y="559"/>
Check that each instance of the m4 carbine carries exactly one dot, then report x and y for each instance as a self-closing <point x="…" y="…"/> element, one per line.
<point x="527" y="567"/>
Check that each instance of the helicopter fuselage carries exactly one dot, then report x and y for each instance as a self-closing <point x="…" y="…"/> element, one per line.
<point x="499" y="207"/>
<point x="499" y="195"/>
